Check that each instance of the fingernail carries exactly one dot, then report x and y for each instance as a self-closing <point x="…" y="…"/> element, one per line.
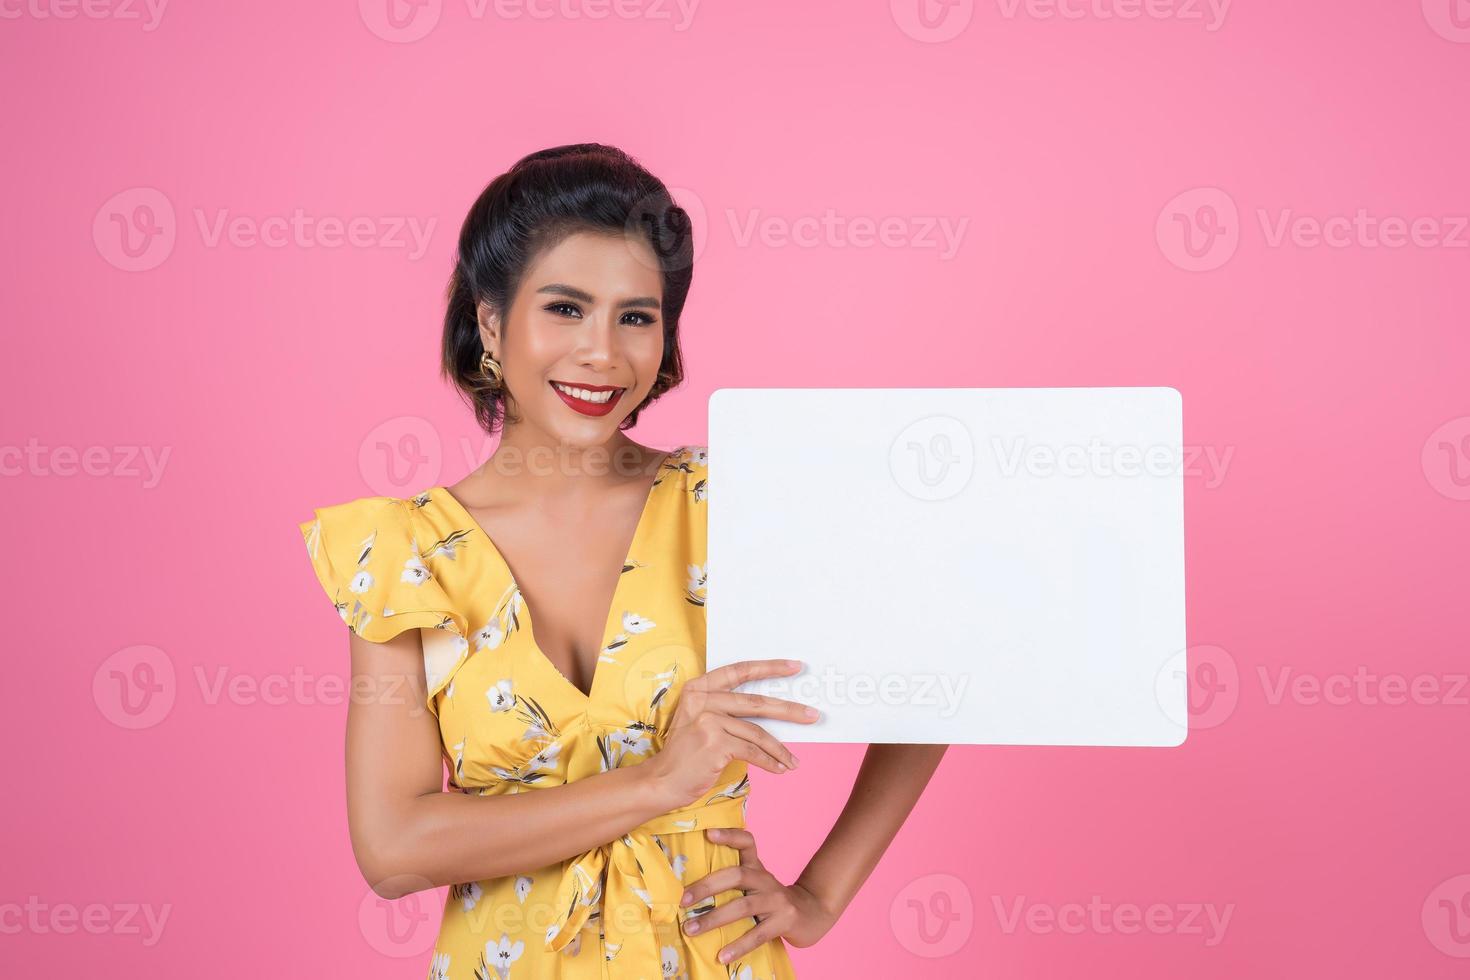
<point x="812" y="712"/>
<point x="688" y="897"/>
<point x="795" y="762"/>
<point x="793" y="663"/>
<point x="724" y="957"/>
<point x="692" y="925"/>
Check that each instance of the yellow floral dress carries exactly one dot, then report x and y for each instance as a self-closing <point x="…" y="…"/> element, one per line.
<point x="510" y="722"/>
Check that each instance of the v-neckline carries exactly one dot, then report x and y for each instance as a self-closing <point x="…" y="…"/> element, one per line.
<point x="612" y="617"/>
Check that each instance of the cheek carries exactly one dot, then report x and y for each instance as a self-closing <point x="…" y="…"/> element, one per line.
<point x="538" y="349"/>
<point x="648" y="354"/>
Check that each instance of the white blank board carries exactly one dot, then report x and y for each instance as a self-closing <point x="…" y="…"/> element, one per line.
<point x="955" y="565"/>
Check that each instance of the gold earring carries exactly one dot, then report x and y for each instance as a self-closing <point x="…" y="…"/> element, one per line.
<point x="490" y="367"/>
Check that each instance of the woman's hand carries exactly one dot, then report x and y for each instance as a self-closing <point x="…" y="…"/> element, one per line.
<point x="789" y="911"/>
<point x="707" y="732"/>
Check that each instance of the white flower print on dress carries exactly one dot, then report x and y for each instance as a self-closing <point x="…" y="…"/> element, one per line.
<point x="415" y="572"/>
<point x="694" y="591"/>
<point x="543" y="761"/>
<point x="533" y="768"/>
<point x="630" y="741"/>
<point x="539" y="726"/>
<point x="500" y="956"/>
<point x="635" y="624"/>
<point x="447" y="547"/>
<point x="676" y="861"/>
<point x="439" y="967"/>
<point x="617" y="745"/>
<point x="523" y="887"/>
<point x="501" y="696"/>
<point x="671" y="963"/>
<point x="665" y="681"/>
<point x="632" y="623"/>
<point x="470" y="894"/>
<point x="489" y="636"/>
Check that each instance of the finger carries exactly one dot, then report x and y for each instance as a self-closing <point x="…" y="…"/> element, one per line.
<point x="732" y="911"/>
<point x="754" y="733"/>
<point x="746" y="846"/>
<point x="733" y="675"/>
<point x="742" y="704"/>
<point x="763" y="932"/>
<point x="736" y="837"/>
<point x="752" y="753"/>
<point x="719" y="880"/>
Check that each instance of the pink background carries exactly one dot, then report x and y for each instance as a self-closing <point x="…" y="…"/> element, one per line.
<point x="1076" y="149"/>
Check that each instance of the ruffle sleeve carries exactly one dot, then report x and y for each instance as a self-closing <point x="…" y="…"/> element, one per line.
<point x="366" y="557"/>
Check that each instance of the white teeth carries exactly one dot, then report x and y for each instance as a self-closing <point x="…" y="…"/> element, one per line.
<point x="595" y="397"/>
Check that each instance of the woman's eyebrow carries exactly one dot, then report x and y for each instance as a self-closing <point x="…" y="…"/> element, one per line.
<point x="562" y="289"/>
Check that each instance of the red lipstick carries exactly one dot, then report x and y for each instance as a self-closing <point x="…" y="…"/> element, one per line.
<point x="586" y="407"/>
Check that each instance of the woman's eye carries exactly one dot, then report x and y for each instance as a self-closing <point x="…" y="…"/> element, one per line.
<point x="570" y="309"/>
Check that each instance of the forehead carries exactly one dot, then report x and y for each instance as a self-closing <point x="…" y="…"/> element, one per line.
<point x="608" y="266"/>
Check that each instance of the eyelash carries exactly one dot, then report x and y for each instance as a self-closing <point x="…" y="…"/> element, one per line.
<point x="647" y="320"/>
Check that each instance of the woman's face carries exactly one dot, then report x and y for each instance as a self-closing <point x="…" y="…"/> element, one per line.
<point x="587" y="315"/>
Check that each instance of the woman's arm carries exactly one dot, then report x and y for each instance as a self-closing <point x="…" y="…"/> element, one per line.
<point x="887" y="787"/>
<point x="408" y="834"/>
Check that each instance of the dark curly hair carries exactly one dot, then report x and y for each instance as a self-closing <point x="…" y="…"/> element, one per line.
<point x="546" y="197"/>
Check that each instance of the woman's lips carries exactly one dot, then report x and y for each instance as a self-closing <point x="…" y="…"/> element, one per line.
<point x="586" y="407"/>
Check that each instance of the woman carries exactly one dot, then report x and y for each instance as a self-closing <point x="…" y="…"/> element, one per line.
<point x="548" y="611"/>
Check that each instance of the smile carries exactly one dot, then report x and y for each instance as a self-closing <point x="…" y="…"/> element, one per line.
<point x="588" y="399"/>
